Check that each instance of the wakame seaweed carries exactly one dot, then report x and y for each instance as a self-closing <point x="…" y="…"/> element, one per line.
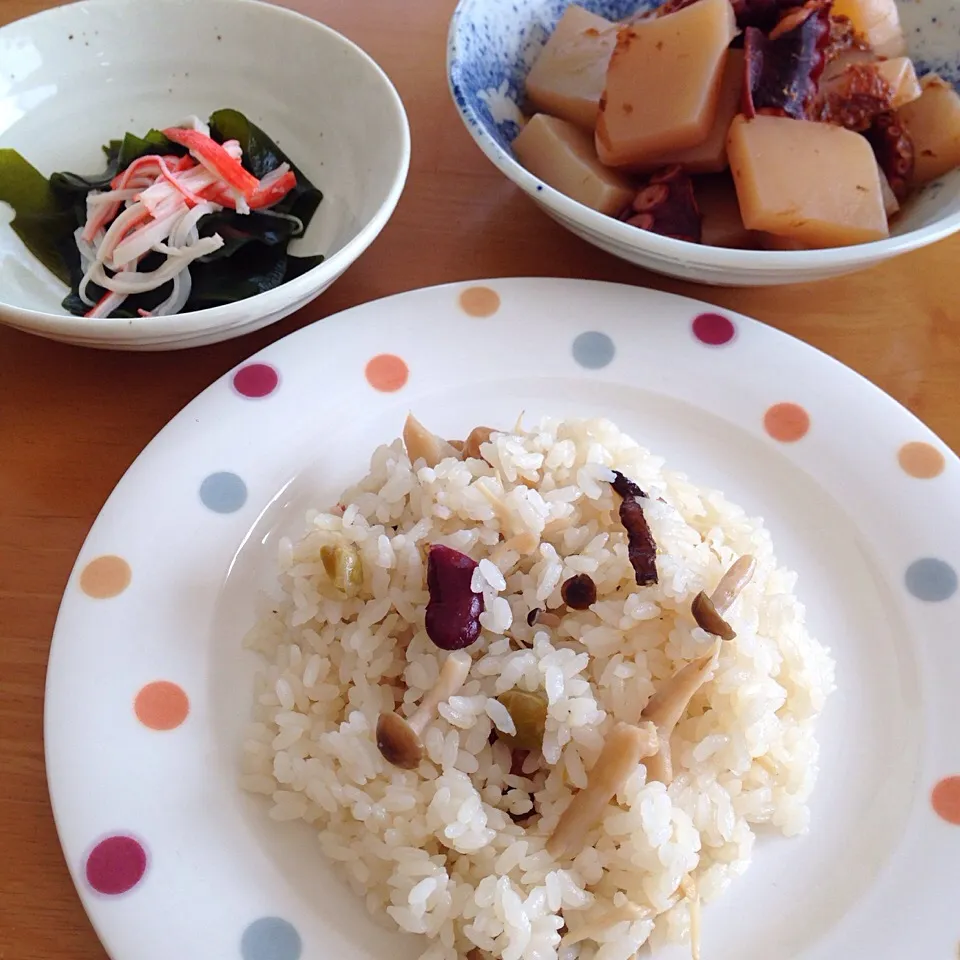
<point x="252" y="260"/>
<point x="42" y="219"/>
<point x="120" y="154"/>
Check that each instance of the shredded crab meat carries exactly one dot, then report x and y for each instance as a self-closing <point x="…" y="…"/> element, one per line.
<point x="109" y="302"/>
<point x="142" y="241"/>
<point x="155" y="205"/>
<point x="144" y="282"/>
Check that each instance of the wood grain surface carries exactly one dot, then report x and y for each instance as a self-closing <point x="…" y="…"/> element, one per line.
<point x="72" y="420"/>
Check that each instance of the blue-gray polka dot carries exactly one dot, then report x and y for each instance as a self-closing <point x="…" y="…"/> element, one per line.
<point x="593" y="350"/>
<point x="270" y="938"/>
<point x="931" y="579"/>
<point x="223" y="492"/>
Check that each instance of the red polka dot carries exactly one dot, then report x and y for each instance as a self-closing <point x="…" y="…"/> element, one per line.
<point x="946" y="800"/>
<point x="386" y="372"/>
<point x="116" y="865"/>
<point x="256" y="380"/>
<point x="786" y="422"/>
<point x="713" y="329"/>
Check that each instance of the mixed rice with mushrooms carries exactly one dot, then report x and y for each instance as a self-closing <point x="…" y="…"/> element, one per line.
<point x="536" y="693"/>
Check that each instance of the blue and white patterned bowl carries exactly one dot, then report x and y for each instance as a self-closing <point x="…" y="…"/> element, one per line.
<point x="491" y="46"/>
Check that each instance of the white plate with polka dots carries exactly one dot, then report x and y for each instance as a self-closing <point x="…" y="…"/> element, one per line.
<point x="149" y="689"/>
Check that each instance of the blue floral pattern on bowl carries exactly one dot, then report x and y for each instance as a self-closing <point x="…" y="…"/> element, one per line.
<point x="497" y="43"/>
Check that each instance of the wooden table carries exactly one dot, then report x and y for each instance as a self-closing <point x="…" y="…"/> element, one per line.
<point x="72" y="420"/>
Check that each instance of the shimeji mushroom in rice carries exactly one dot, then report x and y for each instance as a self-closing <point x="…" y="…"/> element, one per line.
<point x="680" y="712"/>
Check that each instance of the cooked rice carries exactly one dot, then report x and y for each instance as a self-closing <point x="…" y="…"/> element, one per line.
<point x="437" y="848"/>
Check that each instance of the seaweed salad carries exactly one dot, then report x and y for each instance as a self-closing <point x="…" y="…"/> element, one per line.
<point x="184" y="218"/>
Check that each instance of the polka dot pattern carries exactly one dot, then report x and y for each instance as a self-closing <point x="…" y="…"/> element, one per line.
<point x="387" y="373"/>
<point x="593" y="350"/>
<point x="116" y="865"/>
<point x="105" y="577"/>
<point x="786" y="422"/>
<point x="931" y="579"/>
<point x="479" y="301"/>
<point x="921" y="460"/>
<point x="714" y="329"/>
<point x="161" y="705"/>
<point x="223" y="492"/>
<point x="256" y="380"/>
<point x="946" y="800"/>
<point x="270" y="938"/>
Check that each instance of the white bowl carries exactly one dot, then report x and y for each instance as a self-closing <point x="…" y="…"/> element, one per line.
<point x="491" y="46"/>
<point x="74" y="77"/>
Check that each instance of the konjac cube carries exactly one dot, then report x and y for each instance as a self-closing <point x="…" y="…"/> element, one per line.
<point x="663" y="84"/>
<point x="877" y="21"/>
<point x="569" y="75"/>
<point x="710" y="156"/>
<point x="563" y="155"/>
<point x="933" y="124"/>
<point x="814" y="183"/>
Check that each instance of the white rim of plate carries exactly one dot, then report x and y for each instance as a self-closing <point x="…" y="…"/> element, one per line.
<point x="128" y="717"/>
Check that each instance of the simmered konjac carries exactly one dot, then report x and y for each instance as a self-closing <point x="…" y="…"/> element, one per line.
<point x="712" y="121"/>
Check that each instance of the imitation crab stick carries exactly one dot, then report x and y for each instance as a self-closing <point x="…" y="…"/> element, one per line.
<point x="272" y="189"/>
<point x="212" y="155"/>
<point x="155" y="205"/>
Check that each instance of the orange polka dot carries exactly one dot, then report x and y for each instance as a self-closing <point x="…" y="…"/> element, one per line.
<point x="479" y="301"/>
<point x="386" y="372"/>
<point x="161" y="705"/>
<point x="921" y="460"/>
<point x="946" y="799"/>
<point x="105" y="577"/>
<point x="786" y="422"/>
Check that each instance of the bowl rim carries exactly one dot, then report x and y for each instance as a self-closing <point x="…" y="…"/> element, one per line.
<point x="104" y="331"/>
<point x="666" y="248"/>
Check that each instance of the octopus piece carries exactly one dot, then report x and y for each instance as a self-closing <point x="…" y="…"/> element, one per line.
<point x="762" y="14"/>
<point x="855" y="98"/>
<point x="782" y="69"/>
<point x="894" y="152"/>
<point x="667" y="205"/>
<point x="843" y="38"/>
